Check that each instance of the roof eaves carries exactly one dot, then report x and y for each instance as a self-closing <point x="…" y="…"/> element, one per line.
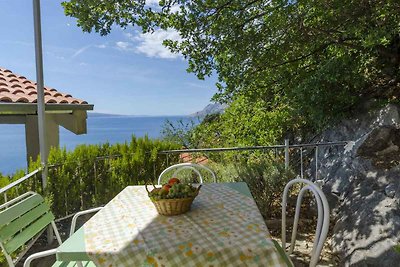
<point x="31" y="108"/>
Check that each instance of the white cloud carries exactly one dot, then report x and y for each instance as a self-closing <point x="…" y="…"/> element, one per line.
<point x="175" y="8"/>
<point x="152" y="2"/>
<point x="151" y="45"/>
<point x="125" y="46"/>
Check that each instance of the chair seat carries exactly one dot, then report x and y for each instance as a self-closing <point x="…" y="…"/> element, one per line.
<point x="73" y="264"/>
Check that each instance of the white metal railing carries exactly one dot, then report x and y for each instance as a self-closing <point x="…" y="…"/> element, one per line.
<point x="286" y="147"/>
<point x="4" y="189"/>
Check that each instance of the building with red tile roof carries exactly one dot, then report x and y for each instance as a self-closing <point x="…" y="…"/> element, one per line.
<point x="189" y="158"/>
<point x="18" y="89"/>
<point x="18" y="105"/>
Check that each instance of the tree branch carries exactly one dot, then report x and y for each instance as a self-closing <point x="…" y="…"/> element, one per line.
<point x="322" y="47"/>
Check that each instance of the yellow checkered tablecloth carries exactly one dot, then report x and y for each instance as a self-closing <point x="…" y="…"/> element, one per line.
<point x="223" y="228"/>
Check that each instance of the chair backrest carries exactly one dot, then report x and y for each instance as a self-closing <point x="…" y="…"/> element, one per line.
<point x="22" y="219"/>
<point x="322" y="223"/>
<point x="192" y="166"/>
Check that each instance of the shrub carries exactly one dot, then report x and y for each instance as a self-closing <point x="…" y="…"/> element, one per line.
<point x="266" y="179"/>
<point x="91" y="175"/>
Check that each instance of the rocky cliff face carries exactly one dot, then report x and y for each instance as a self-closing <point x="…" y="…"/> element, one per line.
<point x="362" y="183"/>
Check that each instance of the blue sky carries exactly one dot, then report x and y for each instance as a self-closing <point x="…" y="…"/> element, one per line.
<point x="123" y="73"/>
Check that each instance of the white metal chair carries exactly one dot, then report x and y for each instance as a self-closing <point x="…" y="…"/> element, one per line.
<point x="22" y="220"/>
<point x="322" y="223"/>
<point x="183" y="166"/>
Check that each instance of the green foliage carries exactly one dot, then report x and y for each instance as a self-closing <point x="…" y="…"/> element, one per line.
<point x="245" y="122"/>
<point x="314" y="61"/>
<point x="250" y="122"/>
<point x="266" y="179"/>
<point x="94" y="174"/>
<point x="177" y="190"/>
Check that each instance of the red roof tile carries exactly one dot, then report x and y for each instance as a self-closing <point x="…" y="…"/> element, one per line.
<point x="17" y="89"/>
<point x="188" y="157"/>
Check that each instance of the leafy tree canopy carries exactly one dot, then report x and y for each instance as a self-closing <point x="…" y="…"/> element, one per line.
<point x="320" y="58"/>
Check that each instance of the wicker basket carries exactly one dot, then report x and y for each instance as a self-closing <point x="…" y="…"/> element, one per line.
<point x="176" y="206"/>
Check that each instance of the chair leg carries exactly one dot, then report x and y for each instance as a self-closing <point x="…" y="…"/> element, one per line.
<point x="297" y="215"/>
<point x="9" y="260"/>
<point x="7" y="256"/>
<point x="53" y="224"/>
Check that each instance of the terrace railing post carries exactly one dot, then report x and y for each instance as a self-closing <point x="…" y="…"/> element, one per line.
<point x="154" y="169"/>
<point x="286" y="154"/>
<point x="95" y="178"/>
<point x="316" y="163"/>
<point x="301" y="163"/>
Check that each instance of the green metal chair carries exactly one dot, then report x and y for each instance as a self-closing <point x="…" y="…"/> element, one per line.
<point x="22" y="220"/>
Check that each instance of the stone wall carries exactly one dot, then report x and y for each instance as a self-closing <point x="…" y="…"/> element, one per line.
<point x="362" y="186"/>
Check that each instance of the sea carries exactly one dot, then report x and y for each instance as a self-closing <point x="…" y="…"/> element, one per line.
<point x="101" y="128"/>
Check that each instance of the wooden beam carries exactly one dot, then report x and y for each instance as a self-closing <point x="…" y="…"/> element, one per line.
<point x="75" y="122"/>
<point x="32" y="135"/>
<point x="12" y="119"/>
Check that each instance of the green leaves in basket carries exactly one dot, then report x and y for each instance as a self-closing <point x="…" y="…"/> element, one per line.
<point x="181" y="191"/>
<point x="177" y="190"/>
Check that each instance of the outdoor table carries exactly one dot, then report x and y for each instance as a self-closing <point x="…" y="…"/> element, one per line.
<point x="223" y="228"/>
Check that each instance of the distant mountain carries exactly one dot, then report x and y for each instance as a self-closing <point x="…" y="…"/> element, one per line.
<point x="213" y="108"/>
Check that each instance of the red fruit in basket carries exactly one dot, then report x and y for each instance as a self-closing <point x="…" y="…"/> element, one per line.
<point x="173" y="181"/>
<point x="166" y="187"/>
<point x="163" y="192"/>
